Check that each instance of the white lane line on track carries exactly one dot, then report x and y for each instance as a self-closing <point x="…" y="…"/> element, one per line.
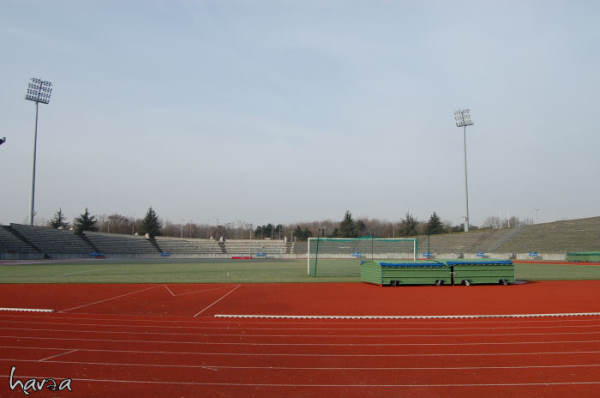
<point x="47" y="359"/>
<point x="199" y="291"/>
<point x="216" y="301"/>
<point x="105" y="300"/>
<point x="356" y="329"/>
<point x="302" y="344"/>
<point x="309" y="335"/>
<point x="477" y="316"/>
<point x="291" y="323"/>
<point x="197" y="383"/>
<point x="252" y="354"/>
<point x="217" y="367"/>
<point x="169" y="290"/>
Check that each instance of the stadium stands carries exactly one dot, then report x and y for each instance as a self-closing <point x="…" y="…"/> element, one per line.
<point x="556" y="237"/>
<point x="55" y="243"/>
<point x="189" y="247"/>
<point x="239" y="247"/>
<point x="122" y="245"/>
<point x="551" y="240"/>
<point x="13" y="248"/>
<point x="459" y="243"/>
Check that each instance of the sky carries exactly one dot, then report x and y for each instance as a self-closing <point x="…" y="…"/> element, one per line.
<point x="290" y="111"/>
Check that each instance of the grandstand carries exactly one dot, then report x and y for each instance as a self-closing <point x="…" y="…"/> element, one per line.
<point x="13" y="248"/>
<point x="551" y="240"/>
<point x="242" y="247"/>
<point x="189" y="247"/>
<point x="556" y="237"/>
<point x="55" y="243"/>
<point x="462" y="244"/>
<point x="122" y="245"/>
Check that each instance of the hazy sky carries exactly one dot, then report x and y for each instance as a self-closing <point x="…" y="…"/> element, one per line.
<point x="285" y="111"/>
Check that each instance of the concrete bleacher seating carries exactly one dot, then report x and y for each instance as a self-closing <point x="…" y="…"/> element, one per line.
<point x="54" y="243"/>
<point x="239" y="247"/>
<point x="11" y="247"/>
<point x="556" y="237"/>
<point x="549" y="240"/>
<point x="460" y="242"/>
<point x="122" y="245"/>
<point x="189" y="247"/>
<point x="299" y="248"/>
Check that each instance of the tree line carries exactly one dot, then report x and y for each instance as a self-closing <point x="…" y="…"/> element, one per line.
<point x="348" y="227"/>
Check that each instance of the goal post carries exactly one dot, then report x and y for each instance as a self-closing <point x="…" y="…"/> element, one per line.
<point x="340" y="257"/>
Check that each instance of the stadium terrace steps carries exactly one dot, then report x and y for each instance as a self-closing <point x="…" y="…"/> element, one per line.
<point x="556" y="237"/>
<point x="13" y="247"/>
<point x="122" y="245"/>
<point x="460" y="242"/>
<point x="300" y="248"/>
<point x="505" y="238"/>
<point x="251" y="247"/>
<point x="54" y="243"/>
<point x="189" y="247"/>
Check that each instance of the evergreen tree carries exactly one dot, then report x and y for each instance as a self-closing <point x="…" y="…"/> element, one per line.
<point x="348" y="226"/>
<point x="268" y="230"/>
<point x="150" y="224"/>
<point x="59" y="221"/>
<point x="408" y="226"/>
<point x="301" y="234"/>
<point x="278" y="230"/>
<point x="306" y="234"/>
<point x="361" y="228"/>
<point x="434" y="226"/>
<point x="85" y="222"/>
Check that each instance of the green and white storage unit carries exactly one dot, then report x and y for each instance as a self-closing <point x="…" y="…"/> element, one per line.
<point x="405" y="273"/>
<point x="457" y="272"/>
<point x="468" y="272"/>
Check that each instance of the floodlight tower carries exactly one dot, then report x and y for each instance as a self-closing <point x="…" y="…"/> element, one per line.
<point x="37" y="91"/>
<point x="463" y="119"/>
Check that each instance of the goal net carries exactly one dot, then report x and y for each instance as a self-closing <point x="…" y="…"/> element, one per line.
<point x="340" y="257"/>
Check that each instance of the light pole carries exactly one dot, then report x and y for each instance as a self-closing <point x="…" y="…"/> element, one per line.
<point x="37" y="91"/>
<point x="463" y="119"/>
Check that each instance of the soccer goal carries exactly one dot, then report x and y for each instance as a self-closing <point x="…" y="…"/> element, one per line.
<point x="335" y="257"/>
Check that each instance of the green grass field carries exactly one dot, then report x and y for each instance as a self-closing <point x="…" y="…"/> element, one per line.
<point x="230" y="271"/>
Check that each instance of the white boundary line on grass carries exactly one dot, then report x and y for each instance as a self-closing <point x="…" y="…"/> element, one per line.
<point x="26" y="309"/>
<point x="480" y="316"/>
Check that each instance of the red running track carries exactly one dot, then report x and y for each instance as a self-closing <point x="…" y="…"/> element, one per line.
<point x="164" y="341"/>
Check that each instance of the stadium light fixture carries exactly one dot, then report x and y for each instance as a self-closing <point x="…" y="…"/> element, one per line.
<point x="463" y="119"/>
<point x="37" y="91"/>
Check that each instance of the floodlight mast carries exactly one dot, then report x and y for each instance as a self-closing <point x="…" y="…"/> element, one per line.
<point x="37" y="91"/>
<point x="463" y="119"/>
